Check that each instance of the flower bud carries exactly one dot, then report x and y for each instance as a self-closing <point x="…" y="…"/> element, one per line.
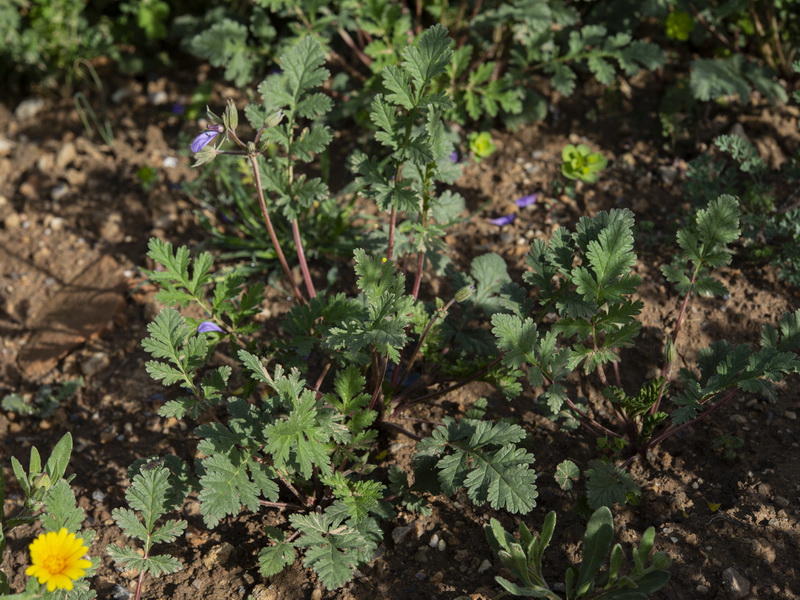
<point x="670" y="352"/>
<point x="41" y="481"/>
<point x="230" y="118"/>
<point x="273" y="119"/>
<point x="464" y="293"/>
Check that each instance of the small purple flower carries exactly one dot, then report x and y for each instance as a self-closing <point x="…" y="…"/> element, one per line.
<point x="454" y="156"/>
<point x="178" y="109"/>
<point x="526" y="200"/>
<point x="504" y="220"/>
<point x="207" y="326"/>
<point x="204" y="139"/>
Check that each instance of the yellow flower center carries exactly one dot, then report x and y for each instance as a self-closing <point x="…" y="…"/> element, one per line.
<point x="54" y="564"/>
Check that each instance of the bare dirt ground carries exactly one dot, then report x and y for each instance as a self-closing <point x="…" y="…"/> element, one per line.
<point x="73" y="303"/>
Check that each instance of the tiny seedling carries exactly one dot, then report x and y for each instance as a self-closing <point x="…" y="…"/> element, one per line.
<point x="151" y="496"/>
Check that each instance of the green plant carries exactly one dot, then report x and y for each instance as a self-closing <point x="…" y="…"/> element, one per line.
<point x="152" y="495"/>
<point x="42" y="40"/>
<point x="770" y="223"/>
<point x="585" y="277"/>
<point x="499" y="46"/>
<point x="316" y="395"/>
<point x="579" y="162"/>
<point x="481" y="145"/>
<point x="585" y="580"/>
<point x="45" y="401"/>
<point x="48" y="499"/>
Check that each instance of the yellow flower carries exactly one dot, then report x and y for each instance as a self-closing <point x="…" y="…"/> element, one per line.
<point x="58" y="559"/>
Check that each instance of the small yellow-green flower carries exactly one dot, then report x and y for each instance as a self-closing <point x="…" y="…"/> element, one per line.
<point x="58" y="559"/>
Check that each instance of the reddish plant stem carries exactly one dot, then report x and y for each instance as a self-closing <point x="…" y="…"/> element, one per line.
<point x="366" y="60"/>
<point x="672" y="430"/>
<point x="418" y="276"/>
<point x="589" y="421"/>
<point x="415" y="353"/>
<point x="301" y="257"/>
<point x="322" y="376"/>
<point x="282" y="505"/>
<point x="617" y="374"/>
<point x="297" y="494"/>
<point x="139" y="583"/>
<point x="380" y="375"/>
<point x="392" y="226"/>
<point x="667" y="370"/>
<point x="271" y="230"/>
<point x="413" y="436"/>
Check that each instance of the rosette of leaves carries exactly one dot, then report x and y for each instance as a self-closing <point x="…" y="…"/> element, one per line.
<point x="481" y="145"/>
<point x="586" y="278"/>
<point x="523" y="557"/>
<point x="579" y="162"/>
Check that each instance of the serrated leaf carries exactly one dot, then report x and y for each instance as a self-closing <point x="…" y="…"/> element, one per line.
<point x="274" y="559"/>
<point x="226" y="487"/>
<point x="61" y="510"/>
<point x="429" y="56"/>
<point x="399" y="84"/>
<point x="128" y="521"/>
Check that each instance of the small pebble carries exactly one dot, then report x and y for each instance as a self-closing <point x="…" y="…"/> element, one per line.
<point x="170" y="162"/>
<point x="120" y="95"/>
<point x="441" y="545"/>
<point x="702" y="589"/>
<point x="399" y="534"/>
<point x="120" y="593"/>
<point x="485" y="566"/>
<point x="434" y="540"/>
<point x="781" y="501"/>
<point x="59" y="191"/>
<point x="98" y="495"/>
<point x="791" y="415"/>
<point x="158" y="98"/>
<point x="420" y="575"/>
<point x="737" y="586"/>
<point x="27" y="109"/>
<point x="738" y="419"/>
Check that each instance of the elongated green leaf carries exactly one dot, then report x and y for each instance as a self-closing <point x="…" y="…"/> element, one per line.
<point x="596" y="543"/>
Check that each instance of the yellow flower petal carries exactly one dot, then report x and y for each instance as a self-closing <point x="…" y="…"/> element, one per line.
<point x="58" y="559"/>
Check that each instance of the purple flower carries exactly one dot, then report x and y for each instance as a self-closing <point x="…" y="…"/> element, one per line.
<point x="207" y="326"/>
<point x="204" y="139"/>
<point x="454" y="156"/>
<point x="504" y="220"/>
<point x="178" y="109"/>
<point x="526" y="200"/>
